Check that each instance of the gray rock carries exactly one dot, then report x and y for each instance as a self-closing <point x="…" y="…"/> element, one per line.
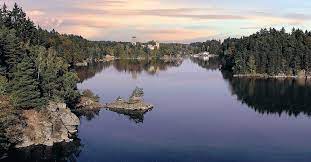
<point x="52" y="125"/>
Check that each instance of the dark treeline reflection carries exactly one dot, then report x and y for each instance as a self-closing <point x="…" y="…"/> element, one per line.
<point x="85" y="73"/>
<point x="132" y="66"/>
<point x="273" y="96"/>
<point x="152" y="67"/>
<point x="62" y="152"/>
<point x="212" y="64"/>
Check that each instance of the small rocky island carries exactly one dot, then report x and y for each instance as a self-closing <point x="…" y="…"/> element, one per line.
<point x="57" y="123"/>
<point x="134" y="104"/>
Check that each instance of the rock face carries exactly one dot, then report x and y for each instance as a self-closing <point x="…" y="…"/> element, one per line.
<point x="52" y="125"/>
<point x="121" y="104"/>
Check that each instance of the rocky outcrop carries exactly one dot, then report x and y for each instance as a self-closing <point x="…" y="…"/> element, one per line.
<point x="54" y="124"/>
<point x="87" y="103"/>
<point x="138" y="105"/>
<point x="135" y="102"/>
<point x="87" y="107"/>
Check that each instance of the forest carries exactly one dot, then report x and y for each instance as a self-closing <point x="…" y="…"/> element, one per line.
<point x="36" y="65"/>
<point x="270" y="53"/>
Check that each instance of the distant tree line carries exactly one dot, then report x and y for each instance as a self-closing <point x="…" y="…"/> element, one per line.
<point x="211" y="46"/>
<point x="140" y="50"/>
<point x="269" y="52"/>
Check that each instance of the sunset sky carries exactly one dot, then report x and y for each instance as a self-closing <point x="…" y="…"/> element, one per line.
<point x="166" y="20"/>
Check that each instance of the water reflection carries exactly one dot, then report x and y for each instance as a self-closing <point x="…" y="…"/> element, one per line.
<point x="135" y="116"/>
<point x="152" y="67"/>
<point x="85" y="73"/>
<point x="273" y="96"/>
<point x="88" y="114"/>
<point x="66" y="152"/>
<point x="197" y="119"/>
<point x="267" y="96"/>
<point x="211" y="64"/>
<point x="134" y="67"/>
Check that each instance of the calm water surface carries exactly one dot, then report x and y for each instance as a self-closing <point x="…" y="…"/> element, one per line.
<point x="200" y="114"/>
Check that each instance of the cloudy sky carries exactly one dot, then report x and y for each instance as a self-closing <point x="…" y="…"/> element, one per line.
<point x="166" y="20"/>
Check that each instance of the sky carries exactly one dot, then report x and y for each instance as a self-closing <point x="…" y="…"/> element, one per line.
<point x="181" y="21"/>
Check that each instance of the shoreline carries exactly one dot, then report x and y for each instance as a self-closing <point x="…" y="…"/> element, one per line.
<point x="264" y="76"/>
<point x="86" y="63"/>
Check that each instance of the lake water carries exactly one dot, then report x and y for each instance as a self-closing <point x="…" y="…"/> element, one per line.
<point x="200" y="114"/>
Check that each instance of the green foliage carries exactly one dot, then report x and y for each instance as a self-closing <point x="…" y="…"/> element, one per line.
<point x="211" y="46"/>
<point x="89" y="94"/>
<point x="10" y="51"/>
<point x="251" y="65"/>
<point x="69" y="83"/>
<point x="3" y="85"/>
<point x="51" y="70"/>
<point x="268" y="52"/>
<point x="25" y="88"/>
<point x="35" y="62"/>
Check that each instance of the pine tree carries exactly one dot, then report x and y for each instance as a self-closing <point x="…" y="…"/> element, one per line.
<point x="251" y="65"/>
<point x="25" y="88"/>
<point x="3" y="85"/>
<point x="5" y="17"/>
<point x="10" y="51"/>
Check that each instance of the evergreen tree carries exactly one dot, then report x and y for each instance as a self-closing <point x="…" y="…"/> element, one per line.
<point x="25" y="88"/>
<point x="10" y="51"/>
<point x="251" y="65"/>
<point x="52" y="69"/>
<point x="3" y="85"/>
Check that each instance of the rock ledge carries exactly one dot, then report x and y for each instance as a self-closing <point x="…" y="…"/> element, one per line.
<point x="52" y="125"/>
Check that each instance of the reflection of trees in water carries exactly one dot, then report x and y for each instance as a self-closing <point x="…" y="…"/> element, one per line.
<point x="274" y="96"/>
<point x="90" y="71"/>
<point x="212" y="64"/>
<point x="136" y="116"/>
<point x="152" y="67"/>
<point x="66" y="152"/>
<point x="131" y="66"/>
